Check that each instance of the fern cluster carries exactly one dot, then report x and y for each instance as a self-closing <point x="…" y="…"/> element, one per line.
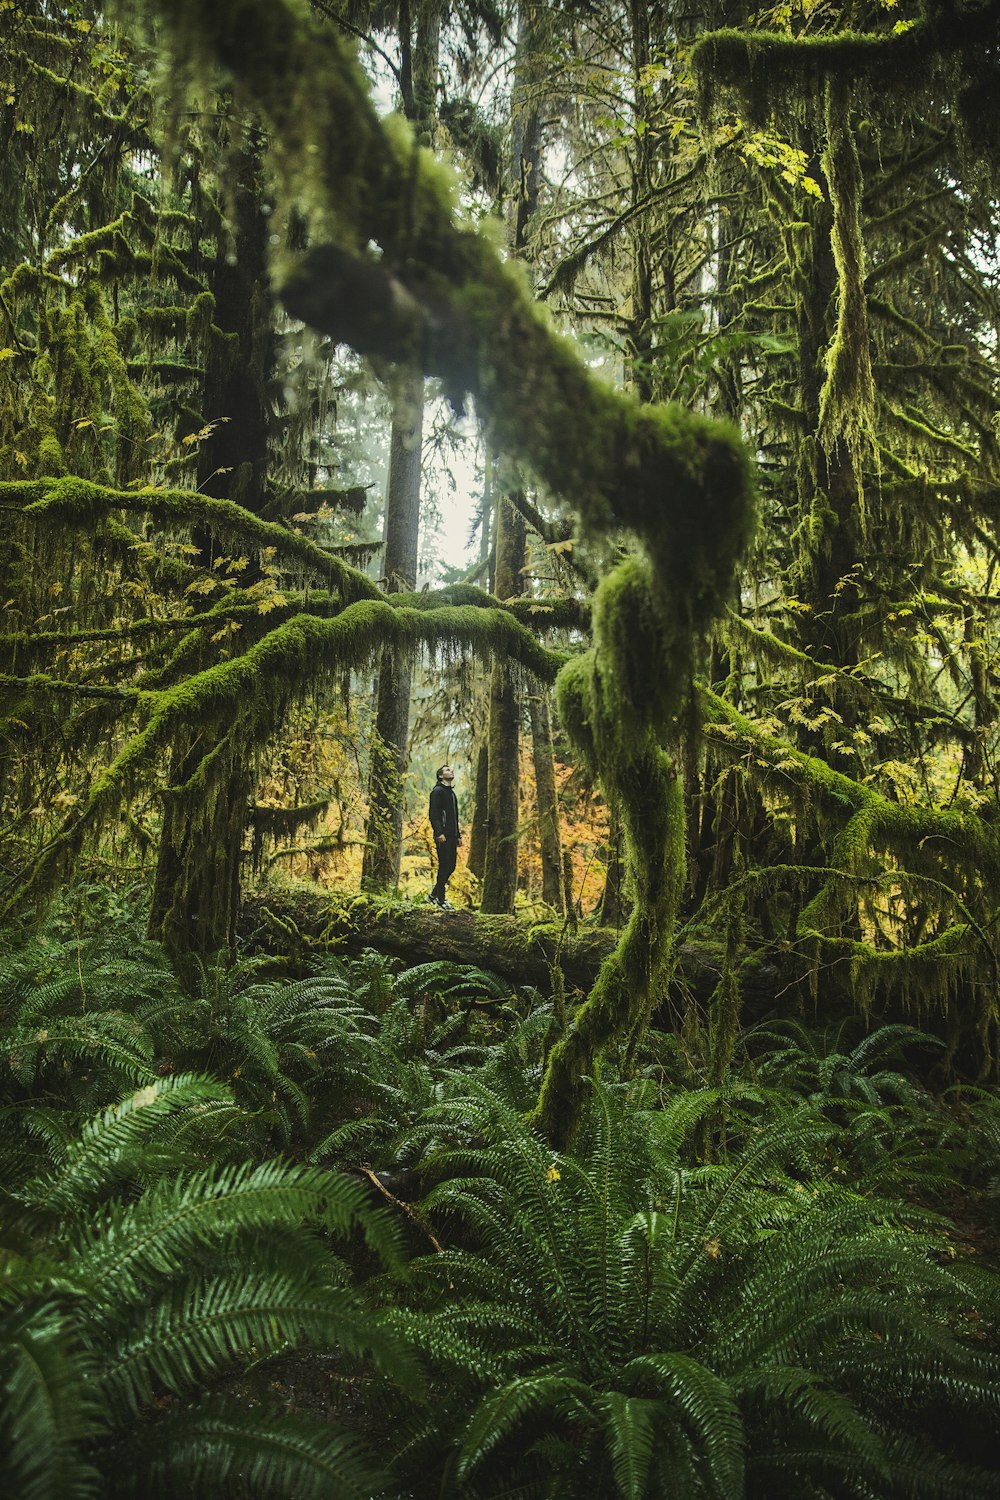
<point x="742" y="1287"/>
<point x="620" y="1323"/>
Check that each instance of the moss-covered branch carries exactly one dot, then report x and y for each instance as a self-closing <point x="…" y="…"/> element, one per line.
<point x="872" y="821"/>
<point x="765" y="67"/>
<point x="252" y="690"/>
<point x="672" y="475"/>
<point x="78" y="502"/>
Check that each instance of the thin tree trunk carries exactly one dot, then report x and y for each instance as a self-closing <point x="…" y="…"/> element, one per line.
<point x="500" y="873"/>
<point x="548" y="806"/>
<point x="419" y="51"/>
<point x="613" y="900"/>
<point x="386" y="799"/>
<point x="487" y="554"/>
<point x="480" y="825"/>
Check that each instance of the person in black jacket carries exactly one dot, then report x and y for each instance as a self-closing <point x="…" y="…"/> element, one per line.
<point x="443" y="813"/>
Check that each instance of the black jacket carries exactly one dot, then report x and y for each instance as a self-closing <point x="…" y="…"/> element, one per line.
<point x="443" y="811"/>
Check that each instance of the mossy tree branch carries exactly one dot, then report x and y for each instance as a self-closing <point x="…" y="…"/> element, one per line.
<point x="252" y="690"/>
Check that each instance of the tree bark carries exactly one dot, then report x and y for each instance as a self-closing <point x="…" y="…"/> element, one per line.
<point x="480" y="825"/>
<point x="384" y="830"/>
<point x="548" y="806"/>
<point x="419" y="51"/>
<point x="500" y="872"/>
<point x="196" y="886"/>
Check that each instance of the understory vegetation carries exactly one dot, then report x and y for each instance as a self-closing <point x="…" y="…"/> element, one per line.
<point x="287" y="1232"/>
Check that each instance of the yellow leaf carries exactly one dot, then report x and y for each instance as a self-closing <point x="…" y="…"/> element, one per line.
<point x="7" y="353"/>
<point x="273" y="601"/>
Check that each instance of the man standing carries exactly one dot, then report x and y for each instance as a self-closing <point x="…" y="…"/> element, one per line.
<point x="443" y="814"/>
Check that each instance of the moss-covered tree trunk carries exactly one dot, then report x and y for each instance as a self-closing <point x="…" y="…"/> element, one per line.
<point x="547" y="800"/>
<point x="196" y="887"/>
<point x="487" y="559"/>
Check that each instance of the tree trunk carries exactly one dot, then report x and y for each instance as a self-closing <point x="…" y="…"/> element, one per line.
<point x="278" y="919"/>
<point x="196" y="887"/>
<point x="480" y="825"/>
<point x="548" y="806"/>
<point x="500" y="872"/>
<point x="419" y="53"/>
<point x="384" y="831"/>
<point x="487" y="554"/>
<point x="503" y="753"/>
<point x="613" y="900"/>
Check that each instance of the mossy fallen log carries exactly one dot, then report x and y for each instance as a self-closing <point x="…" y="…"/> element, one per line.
<point x="296" y="919"/>
<point x="301" y="919"/>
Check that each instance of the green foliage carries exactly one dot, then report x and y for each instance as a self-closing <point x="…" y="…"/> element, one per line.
<point x="720" y="1283"/>
<point x="617" y="1318"/>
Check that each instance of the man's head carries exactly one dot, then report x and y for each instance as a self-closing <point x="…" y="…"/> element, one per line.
<point x="445" y="774"/>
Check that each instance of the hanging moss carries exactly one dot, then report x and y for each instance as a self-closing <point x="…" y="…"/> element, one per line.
<point x="771" y="65"/>
<point x="273" y="824"/>
<point x="82" y="503"/>
<point x="885" y="845"/>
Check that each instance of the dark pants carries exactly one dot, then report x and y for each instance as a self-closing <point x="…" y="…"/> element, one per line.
<point x="447" y="854"/>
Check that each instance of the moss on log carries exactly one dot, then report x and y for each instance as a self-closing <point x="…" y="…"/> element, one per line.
<point x="297" y="918"/>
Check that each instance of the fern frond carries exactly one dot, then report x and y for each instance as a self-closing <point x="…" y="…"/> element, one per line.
<point x="828" y="1413"/>
<point x="218" y="1446"/>
<point x="112" y="1144"/>
<point x="174" y="1220"/>
<point x="109" y="1038"/>
<point x="197" y="1329"/>
<point x="500" y="1412"/>
<point x="707" y="1406"/>
<point x="629" y="1427"/>
<point x="49" y="1412"/>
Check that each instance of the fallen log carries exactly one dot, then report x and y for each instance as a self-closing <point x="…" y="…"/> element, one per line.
<point x="298" y="918"/>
